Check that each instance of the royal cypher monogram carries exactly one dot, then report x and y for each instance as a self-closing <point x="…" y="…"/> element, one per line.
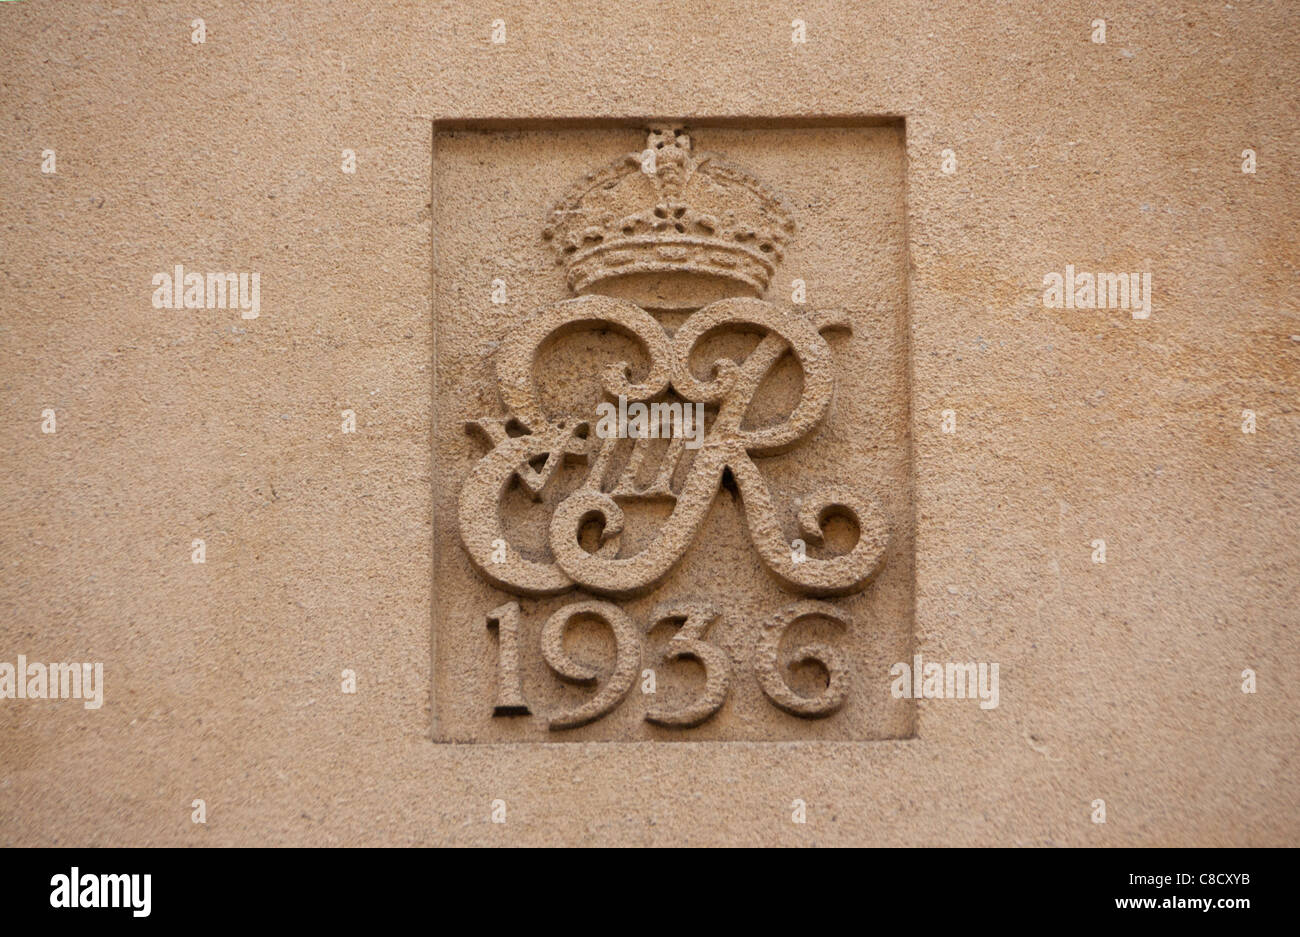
<point x="665" y="213"/>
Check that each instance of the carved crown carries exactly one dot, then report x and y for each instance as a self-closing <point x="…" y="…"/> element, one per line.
<point x="669" y="210"/>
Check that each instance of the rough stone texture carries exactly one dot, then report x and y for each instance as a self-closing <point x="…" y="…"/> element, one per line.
<point x="1119" y="681"/>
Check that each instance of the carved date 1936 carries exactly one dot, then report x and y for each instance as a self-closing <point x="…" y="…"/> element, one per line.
<point x="693" y="620"/>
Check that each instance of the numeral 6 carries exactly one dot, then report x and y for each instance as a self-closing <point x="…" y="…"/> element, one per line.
<point x="767" y="667"/>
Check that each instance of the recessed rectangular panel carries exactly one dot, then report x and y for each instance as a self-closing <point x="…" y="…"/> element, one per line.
<point x="673" y="484"/>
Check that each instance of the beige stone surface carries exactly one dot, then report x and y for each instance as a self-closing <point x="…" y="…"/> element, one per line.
<point x="1119" y="681"/>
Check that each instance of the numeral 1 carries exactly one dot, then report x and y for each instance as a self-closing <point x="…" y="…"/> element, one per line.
<point x="510" y="695"/>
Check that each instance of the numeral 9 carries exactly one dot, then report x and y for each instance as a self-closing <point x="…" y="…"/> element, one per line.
<point x="627" y="658"/>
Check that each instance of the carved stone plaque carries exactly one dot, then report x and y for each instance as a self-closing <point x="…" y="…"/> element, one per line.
<point x="673" y="495"/>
